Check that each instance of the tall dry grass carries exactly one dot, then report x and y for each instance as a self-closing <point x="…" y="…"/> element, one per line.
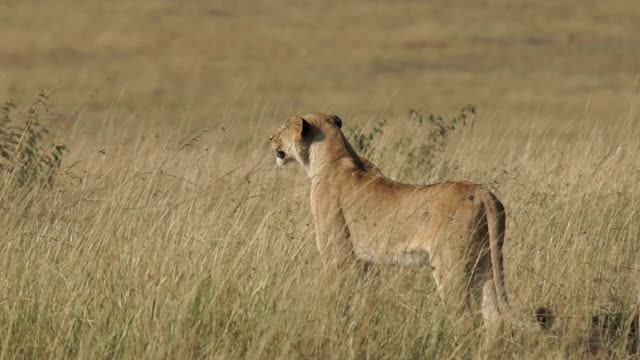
<point x="159" y="247"/>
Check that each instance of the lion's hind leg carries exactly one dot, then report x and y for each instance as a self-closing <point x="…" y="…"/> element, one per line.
<point x="482" y="288"/>
<point x="492" y="318"/>
<point x="489" y="307"/>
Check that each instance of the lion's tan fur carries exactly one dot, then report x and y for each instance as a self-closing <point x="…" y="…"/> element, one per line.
<point x="456" y="227"/>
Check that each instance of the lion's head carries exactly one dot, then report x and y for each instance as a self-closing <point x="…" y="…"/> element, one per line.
<point x="292" y="140"/>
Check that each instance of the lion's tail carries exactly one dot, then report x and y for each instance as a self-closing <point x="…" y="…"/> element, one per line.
<point x="496" y="224"/>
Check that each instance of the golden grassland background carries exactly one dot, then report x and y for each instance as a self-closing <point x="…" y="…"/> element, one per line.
<point x="155" y="245"/>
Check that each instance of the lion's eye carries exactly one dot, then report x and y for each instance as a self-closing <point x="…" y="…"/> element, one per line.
<point x="280" y="154"/>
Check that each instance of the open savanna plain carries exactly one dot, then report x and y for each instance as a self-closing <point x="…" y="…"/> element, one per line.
<point x="167" y="231"/>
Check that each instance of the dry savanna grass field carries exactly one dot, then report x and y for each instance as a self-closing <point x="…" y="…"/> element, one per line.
<point x="167" y="232"/>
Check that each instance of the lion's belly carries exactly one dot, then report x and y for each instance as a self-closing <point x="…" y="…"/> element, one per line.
<point x="410" y="229"/>
<point x="414" y="258"/>
<point x="387" y="240"/>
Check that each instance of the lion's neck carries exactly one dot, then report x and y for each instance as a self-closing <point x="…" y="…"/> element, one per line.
<point x="324" y="154"/>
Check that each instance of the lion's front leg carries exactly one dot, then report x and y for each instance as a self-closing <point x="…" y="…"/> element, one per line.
<point x="332" y="234"/>
<point x="334" y="244"/>
<point x="353" y="280"/>
<point x="332" y="238"/>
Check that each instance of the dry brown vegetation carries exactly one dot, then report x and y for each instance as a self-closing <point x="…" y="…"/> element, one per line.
<point x="169" y="234"/>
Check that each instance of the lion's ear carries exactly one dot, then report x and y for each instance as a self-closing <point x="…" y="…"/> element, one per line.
<point x="335" y="119"/>
<point x="305" y="127"/>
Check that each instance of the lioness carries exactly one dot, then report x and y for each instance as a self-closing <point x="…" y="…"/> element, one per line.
<point x="457" y="227"/>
